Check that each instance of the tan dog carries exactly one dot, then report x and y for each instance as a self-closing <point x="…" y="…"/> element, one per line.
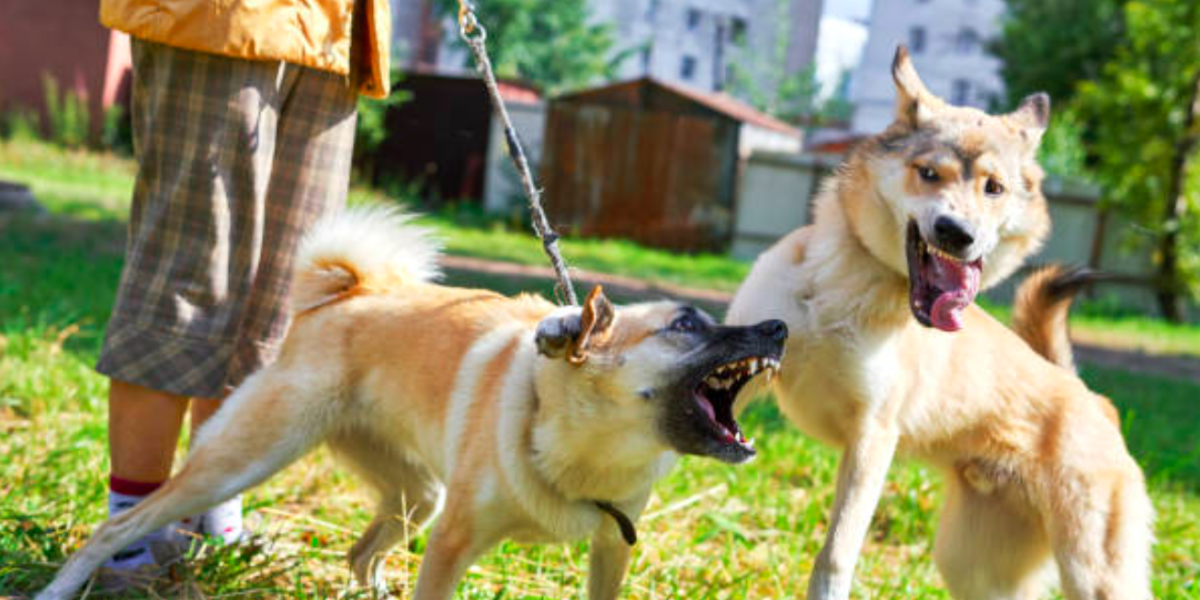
<point x="888" y="354"/>
<point x="537" y="422"/>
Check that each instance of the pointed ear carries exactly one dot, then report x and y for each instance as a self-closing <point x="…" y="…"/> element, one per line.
<point x="571" y="332"/>
<point x="913" y="100"/>
<point x="595" y="323"/>
<point x="1033" y="116"/>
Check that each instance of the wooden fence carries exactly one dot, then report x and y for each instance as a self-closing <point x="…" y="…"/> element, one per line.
<point x="775" y="193"/>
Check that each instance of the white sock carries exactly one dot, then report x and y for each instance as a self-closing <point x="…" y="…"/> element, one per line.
<point x="224" y="521"/>
<point x="138" y="553"/>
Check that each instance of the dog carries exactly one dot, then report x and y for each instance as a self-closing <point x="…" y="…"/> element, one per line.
<point x="889" y="354"/>
<point x="519" y="419"/>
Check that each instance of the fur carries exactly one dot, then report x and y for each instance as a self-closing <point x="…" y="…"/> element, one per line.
<point x="510" y="416"/>
<point x="1041" y="308"/>
<point x="1037" y="472"/>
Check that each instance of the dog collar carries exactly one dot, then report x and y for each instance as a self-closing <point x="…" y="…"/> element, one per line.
<point x="623" y="522"/>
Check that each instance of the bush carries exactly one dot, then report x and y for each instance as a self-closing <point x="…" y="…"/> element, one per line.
<point x="21" y="125"/>
<point x="371" y="129"/>
<point x="67" y="115"/>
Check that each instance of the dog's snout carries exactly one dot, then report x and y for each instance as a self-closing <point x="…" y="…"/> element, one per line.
<point x="775" y="329"/>
<point x="951" y="234"/>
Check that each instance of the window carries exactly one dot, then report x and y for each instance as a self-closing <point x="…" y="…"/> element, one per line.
<point x="737" y="30"/>
<point x="652" y="10"/>
<point x="693" y="19"/>
<point x="916" y="40"/>
<point x="687" y="70"/>
<point x="967" y="41"/>
<point x="960" y="92"/>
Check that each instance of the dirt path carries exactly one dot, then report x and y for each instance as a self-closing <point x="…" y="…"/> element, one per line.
<point x="1166" y="365"/>
<point x="1172" y="366"/>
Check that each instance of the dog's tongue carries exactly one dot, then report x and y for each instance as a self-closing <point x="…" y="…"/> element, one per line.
<point x="707" y="407"/>
<point x="959" y="283"/>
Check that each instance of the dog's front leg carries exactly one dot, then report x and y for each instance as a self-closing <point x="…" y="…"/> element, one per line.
<point x="607" y="562"/>
<point x="454" y="543"/>
<point x="608" y="559"/>
<point x="861" y="476"/>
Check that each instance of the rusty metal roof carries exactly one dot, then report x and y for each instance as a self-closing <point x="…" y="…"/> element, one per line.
<point x="721" y="103"/>
<point x="511" y="90"/>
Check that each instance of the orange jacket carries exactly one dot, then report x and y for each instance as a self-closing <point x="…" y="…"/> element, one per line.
<point x="311" y="33"/>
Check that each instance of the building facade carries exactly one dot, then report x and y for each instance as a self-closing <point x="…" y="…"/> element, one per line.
<point x="946" y="39"/>
<point x="694" y="43"/>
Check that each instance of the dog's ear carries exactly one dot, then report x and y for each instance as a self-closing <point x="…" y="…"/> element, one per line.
<point x="914" y="103"/>
<point x="571" y="331"/>
<point x="1032" y="116"/>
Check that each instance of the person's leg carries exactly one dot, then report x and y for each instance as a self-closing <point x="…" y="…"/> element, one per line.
<point x="143" y="430"/>
<point x="197" y="125"/>
<point x="311" y="147"/>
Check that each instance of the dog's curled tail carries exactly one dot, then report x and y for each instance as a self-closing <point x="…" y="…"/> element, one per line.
<point x="1041" y="307"/>
<point x="360" y="250"/>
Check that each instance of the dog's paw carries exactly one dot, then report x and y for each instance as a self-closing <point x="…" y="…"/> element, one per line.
<point x="368" y="572"/>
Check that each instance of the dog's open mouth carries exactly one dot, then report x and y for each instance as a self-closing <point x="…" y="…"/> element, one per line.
<point x="940" y="286"/>
<point x="717" y="391"/>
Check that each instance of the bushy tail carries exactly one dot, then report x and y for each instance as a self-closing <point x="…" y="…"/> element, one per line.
<point x="360" y="250"/>
<point x="1040" y="311"/>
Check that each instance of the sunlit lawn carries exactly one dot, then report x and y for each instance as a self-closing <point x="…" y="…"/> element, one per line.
<point x="713" y="531"/>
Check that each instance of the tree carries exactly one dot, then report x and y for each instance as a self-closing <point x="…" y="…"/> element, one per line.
<point x="1051" y="45"/>
<point x="796" y="98"/>
<point x="1144" y="111"/>
<point x="549" y="43"/>
<point x="761" y="78"/>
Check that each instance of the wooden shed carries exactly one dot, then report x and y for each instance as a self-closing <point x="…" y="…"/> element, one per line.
<point x="441" y="138"/>
<point x="649" y="161"/>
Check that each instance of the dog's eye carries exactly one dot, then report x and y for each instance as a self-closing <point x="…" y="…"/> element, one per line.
<point x="993" y="187"/>
<point x="685" y="323"/>
<point x="928" y="174"/>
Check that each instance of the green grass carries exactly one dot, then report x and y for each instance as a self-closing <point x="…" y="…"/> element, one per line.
<point x="92" y="186"/>
<point x="713" y="531"/>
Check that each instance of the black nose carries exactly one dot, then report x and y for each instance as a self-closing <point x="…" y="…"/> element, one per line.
<point x="951" y="234"/>
<point x="774" y="329"/>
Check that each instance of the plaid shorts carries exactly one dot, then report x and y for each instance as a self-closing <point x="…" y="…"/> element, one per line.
<point x="236" y="160"/>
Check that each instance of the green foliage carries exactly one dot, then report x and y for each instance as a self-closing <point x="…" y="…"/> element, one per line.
<point x="763" y="81"/>
<point x="370" y="130"/>
<point x="795" y="97"/>
<point x="117" y="131"/>
<point x="1051" y="45"/>
<point x="551" y="43"/>
<point x="1138" y="109"/>
<point x="1063" y="152"/>
<point x="20" y="125"/>
<point x="67" y="115"/>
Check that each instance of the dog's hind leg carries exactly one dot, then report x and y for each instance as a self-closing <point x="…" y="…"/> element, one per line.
<point x="265" y="425"/>
<point x="988" y="547"/>
<point x="1102" y="539"/>
<point x="409" y="496"/>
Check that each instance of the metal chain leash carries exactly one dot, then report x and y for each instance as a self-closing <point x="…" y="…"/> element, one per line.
<point x="475" y="36"/>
